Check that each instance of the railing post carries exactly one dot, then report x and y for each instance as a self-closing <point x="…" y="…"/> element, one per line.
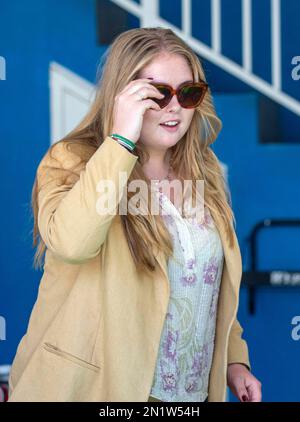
<point x="216" y="25"/>
<point x="150" y="13"/>
<point x="186" y="17"/>
<point x="276" y="43"/>
<point x="247" y="34"/>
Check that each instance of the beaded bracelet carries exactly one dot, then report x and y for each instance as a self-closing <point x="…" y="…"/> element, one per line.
<point x="124" y="141"/>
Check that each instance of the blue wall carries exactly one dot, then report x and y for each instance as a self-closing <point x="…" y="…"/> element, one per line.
<point x="264" y="182"/>
<point x="264" y="179"/>
<point x="32" y="34"/>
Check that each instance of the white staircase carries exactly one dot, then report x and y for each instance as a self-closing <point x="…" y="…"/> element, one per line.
<point x="148" y="13"/>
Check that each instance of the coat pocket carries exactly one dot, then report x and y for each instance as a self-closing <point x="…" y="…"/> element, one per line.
<point x="66" y="355"/>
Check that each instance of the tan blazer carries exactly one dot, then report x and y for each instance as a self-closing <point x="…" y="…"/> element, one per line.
<point x="95" y="328"/>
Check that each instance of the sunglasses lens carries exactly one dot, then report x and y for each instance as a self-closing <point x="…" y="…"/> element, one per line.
<point x="162" y="102"/>
<point x="191" y="95"/>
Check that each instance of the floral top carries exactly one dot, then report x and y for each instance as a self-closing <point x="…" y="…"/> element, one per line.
<point x="187" y="341"/>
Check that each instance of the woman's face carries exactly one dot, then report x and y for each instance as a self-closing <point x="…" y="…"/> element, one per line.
<point x="171" y="69"/>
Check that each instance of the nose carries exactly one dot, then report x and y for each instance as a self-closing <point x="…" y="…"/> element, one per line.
<point x="173" y="104"/>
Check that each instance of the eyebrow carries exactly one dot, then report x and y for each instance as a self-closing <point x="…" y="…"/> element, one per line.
<point x="162" y="82"/>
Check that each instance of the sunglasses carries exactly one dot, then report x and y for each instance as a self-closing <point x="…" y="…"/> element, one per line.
<point x="189" y="94"/>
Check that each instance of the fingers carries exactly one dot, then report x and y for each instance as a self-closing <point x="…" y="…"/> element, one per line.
<point x="146" y="92"/>
<point x="139" y="84"/>
<point x="254" y="390"/>
<point x="131" y="105"/>
<point x="146" y="104"/>
<point x="139" y="95"/>
<point x="239" y="389"/>
<point x="135" y="83"/>
<point x="144" y="89"/>
<point x="142" y="93"/>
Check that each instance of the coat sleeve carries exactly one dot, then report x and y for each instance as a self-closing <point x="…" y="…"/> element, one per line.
<point x="237" y="346"/>
<point x="69" y="220"/>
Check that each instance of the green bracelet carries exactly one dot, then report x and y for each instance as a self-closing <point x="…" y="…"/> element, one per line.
<point x="127" y="142"/>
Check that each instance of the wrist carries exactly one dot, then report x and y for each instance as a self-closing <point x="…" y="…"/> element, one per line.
<point x="239" y="364"/>
<point x="127" y="143"/>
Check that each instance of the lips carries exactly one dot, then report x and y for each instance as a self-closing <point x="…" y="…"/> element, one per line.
<point x="171" y="119"/>
<point x="170" y="128"/>
<point x="165" y="125"/>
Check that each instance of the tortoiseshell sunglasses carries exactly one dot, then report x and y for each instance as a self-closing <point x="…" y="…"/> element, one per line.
<point x="189" y="94"/>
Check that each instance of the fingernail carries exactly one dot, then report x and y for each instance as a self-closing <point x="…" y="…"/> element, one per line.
<point x="244" y="398"/>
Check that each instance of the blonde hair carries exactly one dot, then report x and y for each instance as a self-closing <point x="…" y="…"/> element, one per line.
<point x="192" y="159"/>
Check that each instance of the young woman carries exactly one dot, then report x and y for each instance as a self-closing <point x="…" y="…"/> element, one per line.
<point x="136" y="306"/>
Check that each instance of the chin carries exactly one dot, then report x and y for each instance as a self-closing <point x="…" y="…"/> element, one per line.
<point x="170" y="140"/>
<point x="162" y="142"/>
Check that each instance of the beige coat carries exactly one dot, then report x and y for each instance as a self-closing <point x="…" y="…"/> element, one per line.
<point x="95" y="328"/>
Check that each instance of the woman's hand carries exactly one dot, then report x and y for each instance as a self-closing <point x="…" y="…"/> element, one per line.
<point x="242" y="383"/>
<point x="130" y="108"/>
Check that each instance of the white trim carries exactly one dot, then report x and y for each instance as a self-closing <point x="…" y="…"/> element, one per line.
<point x="66" y="86"/>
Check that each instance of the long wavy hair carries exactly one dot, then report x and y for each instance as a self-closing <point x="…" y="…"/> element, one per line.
<point x="192" y="158"/>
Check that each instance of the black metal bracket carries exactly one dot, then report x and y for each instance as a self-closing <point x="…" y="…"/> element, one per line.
<point x="275" y="278"/>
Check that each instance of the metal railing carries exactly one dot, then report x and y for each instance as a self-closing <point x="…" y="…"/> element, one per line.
<point x="148" y="13"/>
<point x="274" y="278"/>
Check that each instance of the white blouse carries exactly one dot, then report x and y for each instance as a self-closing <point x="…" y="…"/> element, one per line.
<point x="187" y="341"/>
